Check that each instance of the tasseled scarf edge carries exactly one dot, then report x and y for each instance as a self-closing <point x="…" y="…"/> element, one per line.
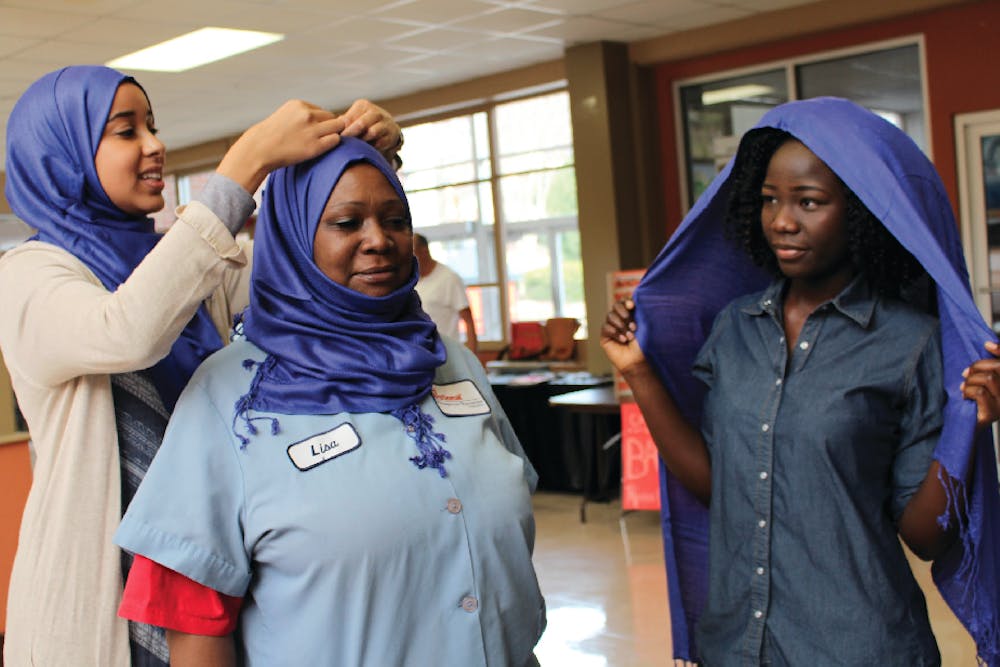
<point x="985" y="632"/>
<point x="245" y="402"/>
<point x="418" y="424"/>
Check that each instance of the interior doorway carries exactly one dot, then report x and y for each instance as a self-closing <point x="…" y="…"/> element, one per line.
<point x="977" y="141"/>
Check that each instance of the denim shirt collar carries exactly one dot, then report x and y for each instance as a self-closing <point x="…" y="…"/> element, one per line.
<point x="857" y="301"/>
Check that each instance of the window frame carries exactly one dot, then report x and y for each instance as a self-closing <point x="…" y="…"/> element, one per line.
<point x="789" y="66"/>
<point x="556" y="224"/>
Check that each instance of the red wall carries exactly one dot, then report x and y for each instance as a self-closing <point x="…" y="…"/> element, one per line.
<point x="15" y="479"/>
<point x="961" y="49"/>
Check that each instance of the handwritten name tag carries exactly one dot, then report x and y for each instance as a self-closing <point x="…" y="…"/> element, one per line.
<point x="460" y="399"/>
<point x="317" y="449"/>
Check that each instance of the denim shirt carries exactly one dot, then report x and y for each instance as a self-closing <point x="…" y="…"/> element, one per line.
<point x="815" y="453"/>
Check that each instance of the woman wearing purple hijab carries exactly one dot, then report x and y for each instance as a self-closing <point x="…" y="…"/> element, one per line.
<point x="103" y="323"/>
<point x="343" y="481"/>
<point x="815" y="376"/>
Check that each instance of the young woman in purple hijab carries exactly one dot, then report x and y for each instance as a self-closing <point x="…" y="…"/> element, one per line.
<point x="342" y="483"/>
<point x="104" y="321"/>
<point x="844" y="406"/>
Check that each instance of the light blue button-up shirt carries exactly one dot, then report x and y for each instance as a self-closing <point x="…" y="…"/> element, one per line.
<point x="346" y="553"/>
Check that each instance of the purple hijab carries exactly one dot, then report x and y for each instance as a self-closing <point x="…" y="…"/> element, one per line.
<point x="330" y="349"/>
<point x="52" y="184"/>
<point x="699" y="271"/>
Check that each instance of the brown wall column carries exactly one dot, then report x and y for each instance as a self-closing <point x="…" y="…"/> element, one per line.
<point x="620" y="223"/>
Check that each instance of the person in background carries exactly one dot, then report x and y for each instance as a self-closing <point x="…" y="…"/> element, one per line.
<point x="103" y="323"/>
<point x="845" y="406"/>
<point x="342" y="486"/>
<point x="442" y="293"/>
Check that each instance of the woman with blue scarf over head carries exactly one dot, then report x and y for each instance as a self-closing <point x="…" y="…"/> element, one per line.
<point x="342" y="483"/>
<point x="104" y="321"/>
<point x="825" y="416"/>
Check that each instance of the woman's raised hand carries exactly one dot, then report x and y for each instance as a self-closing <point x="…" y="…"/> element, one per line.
<point x="295" y="132"/>
<point x="618" y="337"/>
<point x="982" y="385"/>
<point x="371" y="123"/>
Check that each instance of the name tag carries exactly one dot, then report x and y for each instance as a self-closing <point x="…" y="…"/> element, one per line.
<point x="460" y="399"/>
<point x="317" y="449"/>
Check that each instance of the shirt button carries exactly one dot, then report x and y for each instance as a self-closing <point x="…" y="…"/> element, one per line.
<point x="804" y="345"/>
<point x="767" y="302"/>
<point x="758" y="613"/>
<point x="762" y="523"/>
<point x="760" y="570"/>
<point x="454" y="505"/>
<point x="765" y="428"/>
<point x="777" y="383"/>
<point x="781" y="340"/>
<point x="470" y="604"/>
<point x="763" y="475"/>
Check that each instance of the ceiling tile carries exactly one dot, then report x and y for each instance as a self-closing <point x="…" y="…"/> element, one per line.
<point x="579" y="29"/>
<point x="652" y="11"/>
<point x="367" y="29"/>
<point x="436" y="12"/>
<point x="59" y="53"/>
<point x="579" y="7"/>
<point x="130" y="34"/>
<point x="87" y="7"/>
<point x="437" y="40"/>
<point x="236" y="14"/>
<point x="503" y="21"/>
<point x="20" y="22"/>
<point x="10" y="46"/>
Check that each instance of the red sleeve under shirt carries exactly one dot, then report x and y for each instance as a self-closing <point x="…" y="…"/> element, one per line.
<point x="159" y="596"/>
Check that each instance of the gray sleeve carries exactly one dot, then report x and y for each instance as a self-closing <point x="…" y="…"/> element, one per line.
<point x="228" y="200"/>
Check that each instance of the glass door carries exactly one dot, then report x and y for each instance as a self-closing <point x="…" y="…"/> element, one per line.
<point x="978" y="146"/>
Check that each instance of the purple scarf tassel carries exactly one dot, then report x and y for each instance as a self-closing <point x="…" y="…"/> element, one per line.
<point x="420" y="426"/>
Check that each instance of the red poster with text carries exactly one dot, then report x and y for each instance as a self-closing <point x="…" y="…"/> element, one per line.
<point x="640" y="463"/>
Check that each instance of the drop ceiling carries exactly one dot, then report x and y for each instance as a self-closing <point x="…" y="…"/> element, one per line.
<point x="334" y="51"/>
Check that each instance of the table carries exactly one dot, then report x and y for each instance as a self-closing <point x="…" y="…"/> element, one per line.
<point x="598" y="422"/>
<point x="599" y="400"/>
<point x="561" y="444"/>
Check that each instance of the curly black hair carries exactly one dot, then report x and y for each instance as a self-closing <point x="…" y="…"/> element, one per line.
<point x="890" y="268"/>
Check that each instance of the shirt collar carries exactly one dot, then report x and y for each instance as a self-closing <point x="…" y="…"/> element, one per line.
<point x="856" y="301"/>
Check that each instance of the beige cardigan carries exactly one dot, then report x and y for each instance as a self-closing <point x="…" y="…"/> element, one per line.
<point x="62" y="333"/>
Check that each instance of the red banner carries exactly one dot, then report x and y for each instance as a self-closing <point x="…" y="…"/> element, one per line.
<point x="640" y="463"/>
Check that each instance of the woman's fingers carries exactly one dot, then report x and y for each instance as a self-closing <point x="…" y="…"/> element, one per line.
<point x="296" y="131"/>
<point x="372" y="123"/>
<point x="982" y="385"/>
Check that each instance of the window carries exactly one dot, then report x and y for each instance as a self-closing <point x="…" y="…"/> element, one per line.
<point x="181" y="189"/>
<point x="717" y="111"/>
<point x="494" y="192"/>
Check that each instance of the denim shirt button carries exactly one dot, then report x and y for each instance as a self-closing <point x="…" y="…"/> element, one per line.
<point x="765" y="428"/>
<point x="760" y="571"/>
<point x="758" y="613"/>
<point x="804" y="345"/>
<point x="763" y="475"/>
<point x="777" y="383"/>
<point x="762" y="523"/>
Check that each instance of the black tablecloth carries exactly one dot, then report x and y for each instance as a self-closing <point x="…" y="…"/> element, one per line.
<point x="565" y="447"/>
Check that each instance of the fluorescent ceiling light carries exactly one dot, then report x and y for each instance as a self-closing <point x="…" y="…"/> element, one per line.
<point x="195" y="49"/>
<point x="733" y="93"/>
